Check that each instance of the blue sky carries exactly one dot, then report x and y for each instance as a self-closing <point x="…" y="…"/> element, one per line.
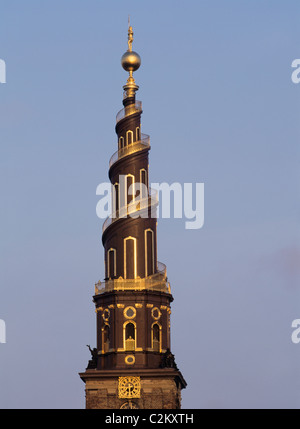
<point x="220" y="108"/>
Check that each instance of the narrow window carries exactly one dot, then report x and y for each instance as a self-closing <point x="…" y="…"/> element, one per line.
<point x="130" y="337"/>
<point x="156" y="338"/>
<point x="105" y="339"/>
<point x="129" y="137"/>
<point x="111" y="263"/>
<point x="129" y="182"/>
<point x="143" y="180"/>
<point x="121" y="143"/>
<point x="149" y="252"/>
<point x="116" y="199"/>
<point x="138" y="134"/>
<point x="130" y="258"/>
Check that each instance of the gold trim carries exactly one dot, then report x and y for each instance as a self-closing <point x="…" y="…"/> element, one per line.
<point x="149" y="305"/>
<point x="120" y="305"/>
<point x="137" y="305"/>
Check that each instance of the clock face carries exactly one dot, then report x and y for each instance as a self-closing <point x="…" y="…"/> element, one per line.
<point x="129" y="387"/>
<point x="129" y="404"/>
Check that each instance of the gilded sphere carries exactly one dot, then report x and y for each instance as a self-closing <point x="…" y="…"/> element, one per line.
<point x="130" y="61"/>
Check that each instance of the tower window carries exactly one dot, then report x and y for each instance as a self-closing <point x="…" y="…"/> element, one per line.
<point x="115" y="199"/>
<point x="130" y="337"/>
<point x="105" y="339"/>
<point x="143" y="180"/>
<point x="111" y="263"/>
<point x="156" y="337"/>
<point x="129" y="137"/>
<point x="149" y="252"/>
<point x="130" y="269"/>
<point x="138" y="134"/>
<point x="121" y="142"/>
<point x="129" y="184"/>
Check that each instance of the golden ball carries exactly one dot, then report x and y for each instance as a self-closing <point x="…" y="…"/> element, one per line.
<point x="130" y="61"/>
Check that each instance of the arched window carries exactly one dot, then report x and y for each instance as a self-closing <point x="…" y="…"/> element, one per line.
<point x="115" y="199"/>
<point x="111" y="263"/>
<point x="149" y="252"/>
<point x="143" y="180"/>
<point x="121" y="142"/>
<point x="130" y="270"/>
<point x="129" y="181"/>
<point x="129" y="336"/>
<point x="138" y="134"/>
<point x="129" y="137"/>
<point x="156" y="337"/>
<point x="105" y="339"/>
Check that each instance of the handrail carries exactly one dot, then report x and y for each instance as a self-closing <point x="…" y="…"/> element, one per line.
<point x="157" y="282"/>
<point x="162" y="269"/>
<point x="132" y="207"/>
<point x="130" y="148"/>
<point x="129" y="110"/>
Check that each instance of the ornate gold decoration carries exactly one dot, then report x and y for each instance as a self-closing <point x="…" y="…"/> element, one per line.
<point x="163" y="307"/>
<point x="106" y="314"/>
<point x="129" y="312"/>
<point x="130" y="359"/>
<point x="137" y="305"/>
<point x="129" y="387"/>
<point x="149" y="305"/>
<point x="155" y="313"/>
<point x="120" y="305"/>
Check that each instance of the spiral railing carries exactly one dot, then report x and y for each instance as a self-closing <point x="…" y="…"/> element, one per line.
<point x="142" y="144"/>
<point x="132" y="209"/>
<point x="129" y="110"/>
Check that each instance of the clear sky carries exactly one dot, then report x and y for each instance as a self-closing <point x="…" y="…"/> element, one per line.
<point x="220" y="107"/>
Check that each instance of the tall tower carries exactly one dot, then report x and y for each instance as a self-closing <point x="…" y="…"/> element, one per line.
<point x="132" y="365"/>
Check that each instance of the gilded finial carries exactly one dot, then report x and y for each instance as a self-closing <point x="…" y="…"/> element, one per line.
<point x="130" y="61"/>
<point x="130" y="35"/>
